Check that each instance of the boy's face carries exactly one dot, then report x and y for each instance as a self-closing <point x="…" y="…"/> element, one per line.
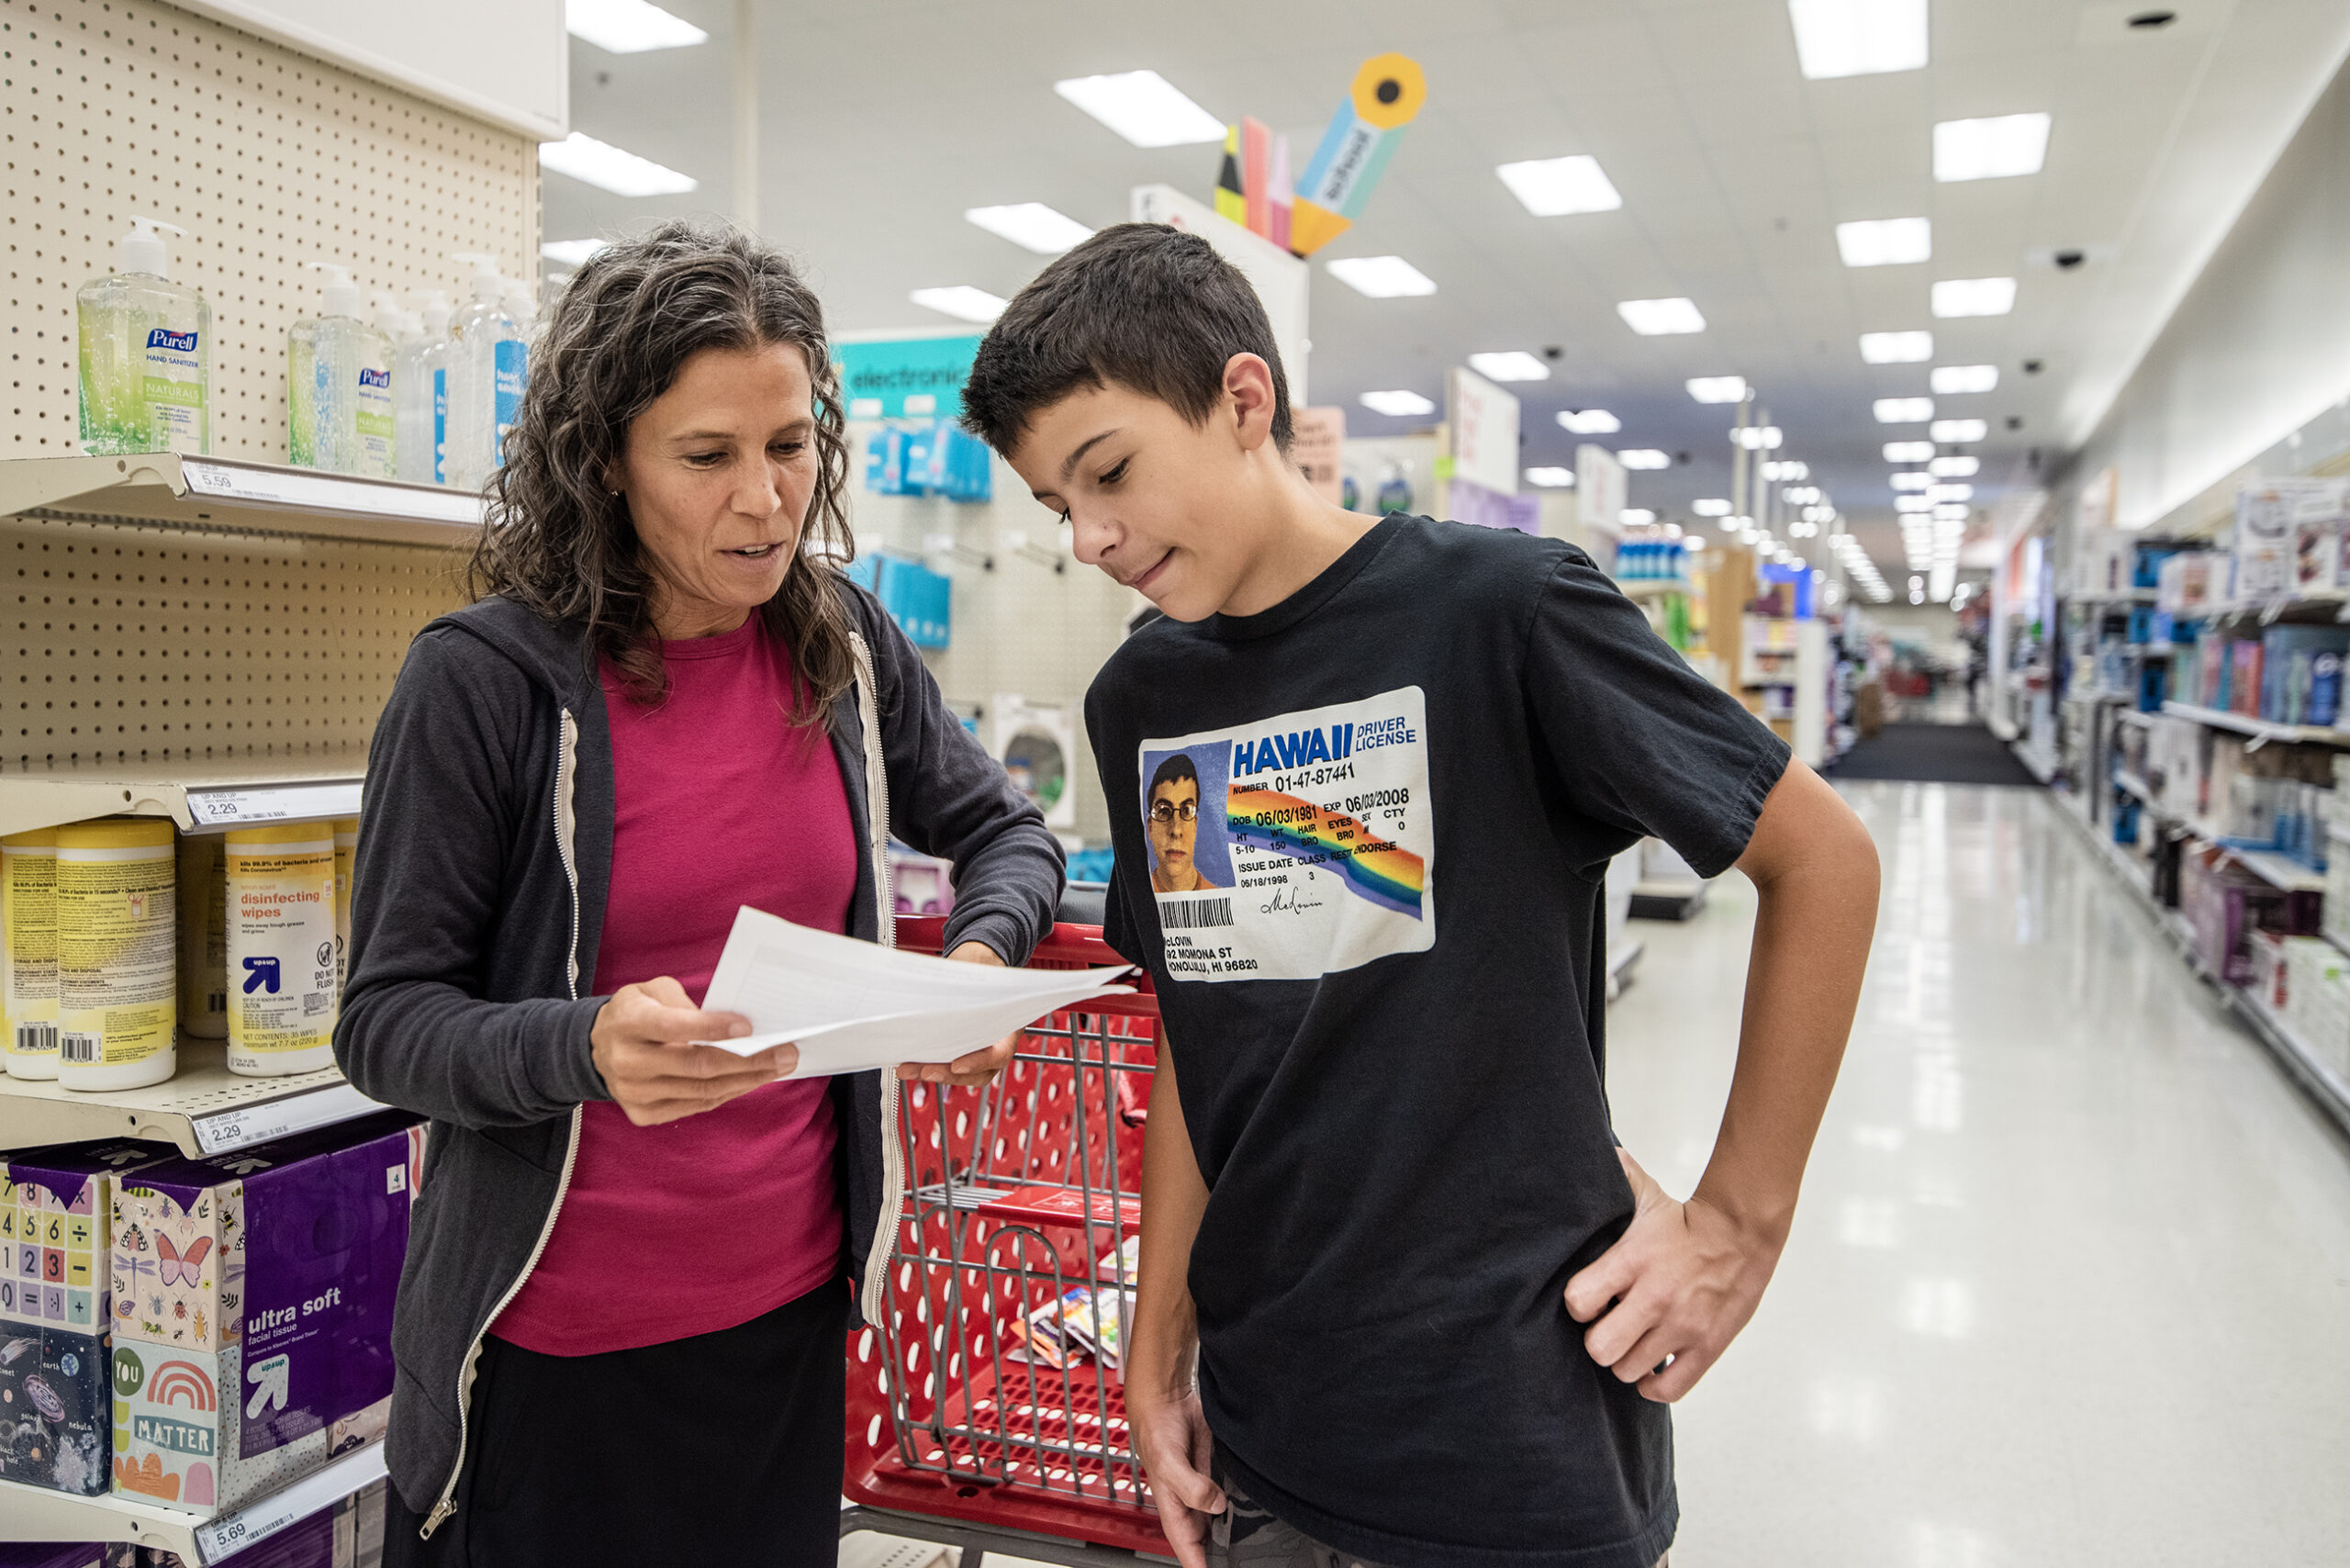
<point x="1174" y="824"/>
<point x="1157" y="503"/>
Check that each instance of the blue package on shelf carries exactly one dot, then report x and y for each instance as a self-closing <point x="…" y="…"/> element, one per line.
<point x="2141" y="624"/>
<point x="939" y="459"/>
<point x="919" y="599"/>
<point x="1091" y="864"/>
<point x="2153" y="680"/>
<point x="2147" y="558"/>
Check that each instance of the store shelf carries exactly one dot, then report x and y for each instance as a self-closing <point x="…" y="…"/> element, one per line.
<point x="167" y="488"/>
<point x="2278" y="871"/>
<point x="205" y="1109"/>
<point x="2324" y="1083"/>
<point x="31" y="1514"/>
<point x="2040" y="764"/>
<point x="2119" y="596"/>
<point x="1621" y="957"/>
<point x="1641" y="588"/>
<point x="2135" y="716"/>
<point x="2260" y="729"/>
<point x="1659" y="898"/>
<point x="198" y="799"/>
<point x="2135" y="786"/>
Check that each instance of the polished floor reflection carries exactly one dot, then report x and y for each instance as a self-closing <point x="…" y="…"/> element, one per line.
<point x="2071" y="1283"/>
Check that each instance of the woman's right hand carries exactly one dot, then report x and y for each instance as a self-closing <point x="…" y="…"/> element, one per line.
<point x="643" y="1044"/>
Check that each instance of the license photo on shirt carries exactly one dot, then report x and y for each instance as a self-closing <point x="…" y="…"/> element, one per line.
<point x="1295" y="846"/>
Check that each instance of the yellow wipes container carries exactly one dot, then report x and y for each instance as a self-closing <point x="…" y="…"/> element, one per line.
<point x="281" y="949"/>
<point x="29" y="953"/>
<point x="117" y="954"/>
<point x="346" y="848"/>
<point x="204" y="938"/>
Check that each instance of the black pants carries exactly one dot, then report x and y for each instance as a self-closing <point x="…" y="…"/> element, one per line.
<point x="724" y="1448"/>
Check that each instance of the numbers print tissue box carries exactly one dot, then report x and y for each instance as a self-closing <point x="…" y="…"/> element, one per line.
<point x="273" y="1349"/>
<point x="54" y="1223"/>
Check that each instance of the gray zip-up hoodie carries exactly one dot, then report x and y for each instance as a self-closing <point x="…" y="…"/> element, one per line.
<point x="477" y="904"/>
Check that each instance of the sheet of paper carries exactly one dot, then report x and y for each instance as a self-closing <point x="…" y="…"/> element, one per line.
<point x="851" y="1005"/>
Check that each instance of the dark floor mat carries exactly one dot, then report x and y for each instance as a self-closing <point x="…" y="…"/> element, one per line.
<point x="1933" y="754"/>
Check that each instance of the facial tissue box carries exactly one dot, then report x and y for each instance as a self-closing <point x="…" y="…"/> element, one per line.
<point x="53" y="1398"/>
<point x="54" y="1208"/>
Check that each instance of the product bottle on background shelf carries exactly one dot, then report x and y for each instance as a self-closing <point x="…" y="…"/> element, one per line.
<point x="29" y="953"/>
<point x="145" y="352"/>
<point x="400" y="328"/>
<point x="351" y="383"/>
<point x="301" y="393"/>
<point x="203" y="913"/>
<point x="488" y="363"/>
<point x="281" y="949"/>
<point x="117" y="952"/>
<point x="346" y="849"/>
<point x="421" y="390"/>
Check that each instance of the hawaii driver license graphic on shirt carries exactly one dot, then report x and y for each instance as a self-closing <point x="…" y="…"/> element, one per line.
<point x="1296" y="846"/>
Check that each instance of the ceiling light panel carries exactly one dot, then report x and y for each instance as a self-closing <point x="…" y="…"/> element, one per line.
<point x="1032" y="226"/>
<point x="1554" y="188"/>
<point x="1886" y="241"/>
<point x="1636" y="517"/>
<point x="1144" y="107"/>
<point x="1660" y="317"/>
<point x="1644" y="457"/>
<point x="1909" y="450"/>
<point x="1382" y="277"/>
<point x="1974" y="297"/>
<point x="1990" y="148"/>
<point x="1953" y="380"/>
<point x="1950" y="511"/>
<point x="1858" y="38"/>
<point x="1913" y="481"/>
<point x="1711" y="506"/>
<point x="1954" y="467"/>
<point x="1552" y="479"/>
<point x="1589" y="421"/>
<point x="609" y="168"/>
<point x="1512" y="365"/>
<point x="1911" y="503"/>
<point x="1896" y="348"/>
<point x="1397" y="404"/>
<point x="573" y="253"/>
<point x="962" y="301"/>
<point x="1904" y="410"/>
<point x="1718" y="388"/>
<point x="1959" y="431"/>
<point x="1949" y="492"/>
<point x="628" y="27"/>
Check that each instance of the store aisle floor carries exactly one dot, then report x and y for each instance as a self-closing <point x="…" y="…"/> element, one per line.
<point x="2071" y="1281"/>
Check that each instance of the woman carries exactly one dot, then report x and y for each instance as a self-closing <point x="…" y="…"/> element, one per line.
<point x="619" y="1333"/>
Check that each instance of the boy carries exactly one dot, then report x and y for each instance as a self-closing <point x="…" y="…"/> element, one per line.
<point x="1402" y="1297"/>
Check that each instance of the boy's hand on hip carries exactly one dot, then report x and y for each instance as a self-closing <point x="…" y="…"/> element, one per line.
<point x="1678" y="1286"/>
<point x="1170" y="1438"/>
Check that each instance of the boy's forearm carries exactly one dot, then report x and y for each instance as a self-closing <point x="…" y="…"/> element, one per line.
<point x="1166" y="1333"/>
<point x="1816" y="882"/>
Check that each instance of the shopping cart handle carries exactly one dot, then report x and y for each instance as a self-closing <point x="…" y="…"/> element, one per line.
<point x="1066" y="947"/>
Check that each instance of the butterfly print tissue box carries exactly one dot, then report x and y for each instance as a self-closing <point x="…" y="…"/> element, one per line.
<point x="179" y="1251"/>
<point x="54" y="1231"/>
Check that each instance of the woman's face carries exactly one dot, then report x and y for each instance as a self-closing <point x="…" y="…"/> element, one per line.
<point x="718" y="473"/>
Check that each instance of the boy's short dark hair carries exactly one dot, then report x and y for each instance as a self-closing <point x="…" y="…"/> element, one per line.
<point x="1174" y="770"/>
<point x="1142" y="305"/>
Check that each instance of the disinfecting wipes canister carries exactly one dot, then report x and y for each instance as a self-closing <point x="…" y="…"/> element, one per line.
<point x="281" y="949"/>
<point x="29" y="953"/>
<point x="203" y="938"/>
<point x="116" y="950"/>
<point x="346" y="847"/>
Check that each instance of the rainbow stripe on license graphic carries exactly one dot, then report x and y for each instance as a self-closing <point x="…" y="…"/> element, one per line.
<point x="1388" y="876"/>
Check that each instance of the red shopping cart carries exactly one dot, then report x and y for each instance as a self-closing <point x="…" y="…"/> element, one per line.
<point x="987" y="1410"/>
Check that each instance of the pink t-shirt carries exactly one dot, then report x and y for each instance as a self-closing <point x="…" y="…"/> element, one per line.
<point x="702" y="1224"/>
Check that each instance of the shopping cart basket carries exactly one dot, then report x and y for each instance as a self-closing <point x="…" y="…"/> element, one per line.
<point x="987" y="1410"/>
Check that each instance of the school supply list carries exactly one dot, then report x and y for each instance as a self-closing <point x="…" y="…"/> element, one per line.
<point x="1313" y="846"/>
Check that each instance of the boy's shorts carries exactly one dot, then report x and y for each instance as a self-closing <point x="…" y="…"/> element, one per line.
<point x="1246" y="1536"/>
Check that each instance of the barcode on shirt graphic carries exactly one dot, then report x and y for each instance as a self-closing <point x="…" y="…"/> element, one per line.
<point x="36" y="1038"/>
<point x="81" y="1047"/>
<point x="1193" y="913"/>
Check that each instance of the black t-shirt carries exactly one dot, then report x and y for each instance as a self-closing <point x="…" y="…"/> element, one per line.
<point x="1362" y="841"/>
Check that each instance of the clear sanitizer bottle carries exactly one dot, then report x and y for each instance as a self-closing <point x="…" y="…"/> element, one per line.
<point x="421" y="390"/>
<point x="488" y="363"/>
<point x="145" y="357"/>
<point x="351" y="383"/>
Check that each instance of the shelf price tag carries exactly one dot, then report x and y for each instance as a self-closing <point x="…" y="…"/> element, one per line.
<point x="278" y="1119"/>
<point x="299" y="491"/>
<point x="241" y="808"/>
<point x="217" y="1538"/>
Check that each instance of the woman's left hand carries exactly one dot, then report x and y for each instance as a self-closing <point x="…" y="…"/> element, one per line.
<point x="978" y="1068"/>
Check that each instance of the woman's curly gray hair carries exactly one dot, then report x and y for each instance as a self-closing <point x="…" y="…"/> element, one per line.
<point x="561" y="543"/>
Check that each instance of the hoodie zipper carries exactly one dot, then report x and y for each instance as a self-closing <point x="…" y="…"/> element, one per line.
<point x="566" y="745"/>
<point x="893" y="1155"/>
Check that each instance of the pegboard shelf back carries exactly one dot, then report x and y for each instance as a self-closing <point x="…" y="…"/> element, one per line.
<point x="219" y="493"/>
